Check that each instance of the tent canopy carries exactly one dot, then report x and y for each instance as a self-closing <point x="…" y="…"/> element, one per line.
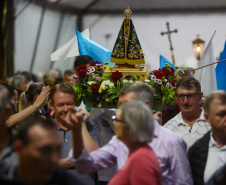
<point x="141" y="7"/>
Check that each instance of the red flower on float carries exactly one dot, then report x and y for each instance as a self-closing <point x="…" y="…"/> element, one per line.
<point x="167" y="71"/>
<point x="94" y="63"/>
<point x="83" y="66"/>
<point x="116" y="76"/>
<point x="158" y="74"/>
<point x="82" y="73"/>
<point x="95" y="87"/>
<point x="173" y="83"/>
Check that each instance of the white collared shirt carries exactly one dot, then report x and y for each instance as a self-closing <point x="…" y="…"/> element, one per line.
<point x="216" y="158"/>
<point x="189" y="134"/>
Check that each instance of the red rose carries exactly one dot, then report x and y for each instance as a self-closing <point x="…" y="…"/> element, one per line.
<point x="94" y="63"/>
<point x="158" y="74"/>
<point x="167" y="71"/>
<point x="83" y="66"/>
<point x="116" y="76"/>
<point x="82" y="73"/>
<point x="173" y="83"/>
<point x="95" y="87"/>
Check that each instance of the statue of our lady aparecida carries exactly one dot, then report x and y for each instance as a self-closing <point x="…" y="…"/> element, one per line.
<point x="127" y="51"/>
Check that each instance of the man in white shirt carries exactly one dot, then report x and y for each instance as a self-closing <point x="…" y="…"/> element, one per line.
<point x="208" y="154"/>
<point x="189" y="123"/>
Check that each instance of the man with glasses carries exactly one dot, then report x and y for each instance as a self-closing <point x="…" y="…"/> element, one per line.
<point x="190" y="123"/>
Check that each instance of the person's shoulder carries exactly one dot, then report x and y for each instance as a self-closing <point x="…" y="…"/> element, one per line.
<point x="171" y="139"/>
<point x="202" y="142"/>
<point x="173" y="122"/>
<point x="166" y="132"/>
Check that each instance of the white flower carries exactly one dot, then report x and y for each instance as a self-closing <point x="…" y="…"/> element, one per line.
<point x="98" y="64"/>
<point x="90" y="82"/>
<point x="165" y="80"/>
<point x="153" y="77"/>
<point x="91" y="69"/>
<point x="111" y="85"/>
<point x="131" y="81"/>
<point x="107" y="82"/>
<point x="125" y="81"/>
<point x="147" y="80"/>
<point x="159" y="82"/>
<point x="103" y="86"/>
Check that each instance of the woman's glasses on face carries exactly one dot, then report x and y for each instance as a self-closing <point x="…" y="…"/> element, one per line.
<point x="114" y="120"/>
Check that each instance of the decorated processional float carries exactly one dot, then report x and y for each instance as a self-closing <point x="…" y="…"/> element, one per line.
<point x="99" y="85"/>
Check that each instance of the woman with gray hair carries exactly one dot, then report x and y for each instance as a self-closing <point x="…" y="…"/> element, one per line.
<point x="134" y="126"/>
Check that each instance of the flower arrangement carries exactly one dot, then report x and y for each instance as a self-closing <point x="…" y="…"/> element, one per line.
<point x="163" y="81"/>
<point x="97" y="89"/>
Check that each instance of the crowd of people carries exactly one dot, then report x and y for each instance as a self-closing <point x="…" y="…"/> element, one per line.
<point x="46" y="139"/>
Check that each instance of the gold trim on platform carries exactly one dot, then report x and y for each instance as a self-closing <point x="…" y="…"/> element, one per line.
<point x="126" y="60"/>
<point x="125" y="69"/>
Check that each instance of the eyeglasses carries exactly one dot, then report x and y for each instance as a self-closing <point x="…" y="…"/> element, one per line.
<point x="190" y="96"/>
<point x="114" y="120"/>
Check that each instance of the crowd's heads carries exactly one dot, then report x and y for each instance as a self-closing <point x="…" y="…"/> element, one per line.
<point x="30" y="95"/>
<point x="27" y="76"/>
<point x="215" y="111"/>
<point x="83" y="59"/>
<point x="189" y="83"/>
<point x="49" y="77"/>
<point x="38" y="146"/>
<point x="14" y="96"/>
<point x="67" y="78"/>
<point x="219" y="95"/>
<point x="5" y="107"/>
<point x="18" y="82"/>
<point x="137" y="91"/>
<point x="136" y="122"/>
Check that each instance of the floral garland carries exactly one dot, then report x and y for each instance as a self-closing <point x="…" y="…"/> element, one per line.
<point x="97" y="89"/>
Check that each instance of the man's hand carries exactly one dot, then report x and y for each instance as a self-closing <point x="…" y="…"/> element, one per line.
<point x="74" y="119"/>
<point x="65" y="164"/>
<point x="42" y="98"/>
<point x="85" y="114"/>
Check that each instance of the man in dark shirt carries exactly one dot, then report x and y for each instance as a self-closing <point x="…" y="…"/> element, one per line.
<point x="38" y="148"/>
<point x="62" y="99"/>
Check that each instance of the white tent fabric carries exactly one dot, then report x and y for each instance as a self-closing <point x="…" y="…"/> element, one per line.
<point x="69" y="49"/>
<point x="207" y="76"/>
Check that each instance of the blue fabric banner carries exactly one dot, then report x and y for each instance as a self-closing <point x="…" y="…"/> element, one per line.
<point x="163" y="60"/>
<point x="221" y="71"/>
<point x="94" y="50"/>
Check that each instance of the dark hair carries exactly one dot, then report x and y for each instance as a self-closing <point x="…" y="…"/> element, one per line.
<point x="27" y="75"/>
<point x="142" y="92"/>
<point x="23" y="131"/>
<point x="188" y="83"/>
<point x="10" y="88"/>
<point x="68" y="72"/>
<point x="83" y="59"/>
<point x="221" y="95"/>
<point x="62" y="87"/>
<point x="27" y="97"/>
